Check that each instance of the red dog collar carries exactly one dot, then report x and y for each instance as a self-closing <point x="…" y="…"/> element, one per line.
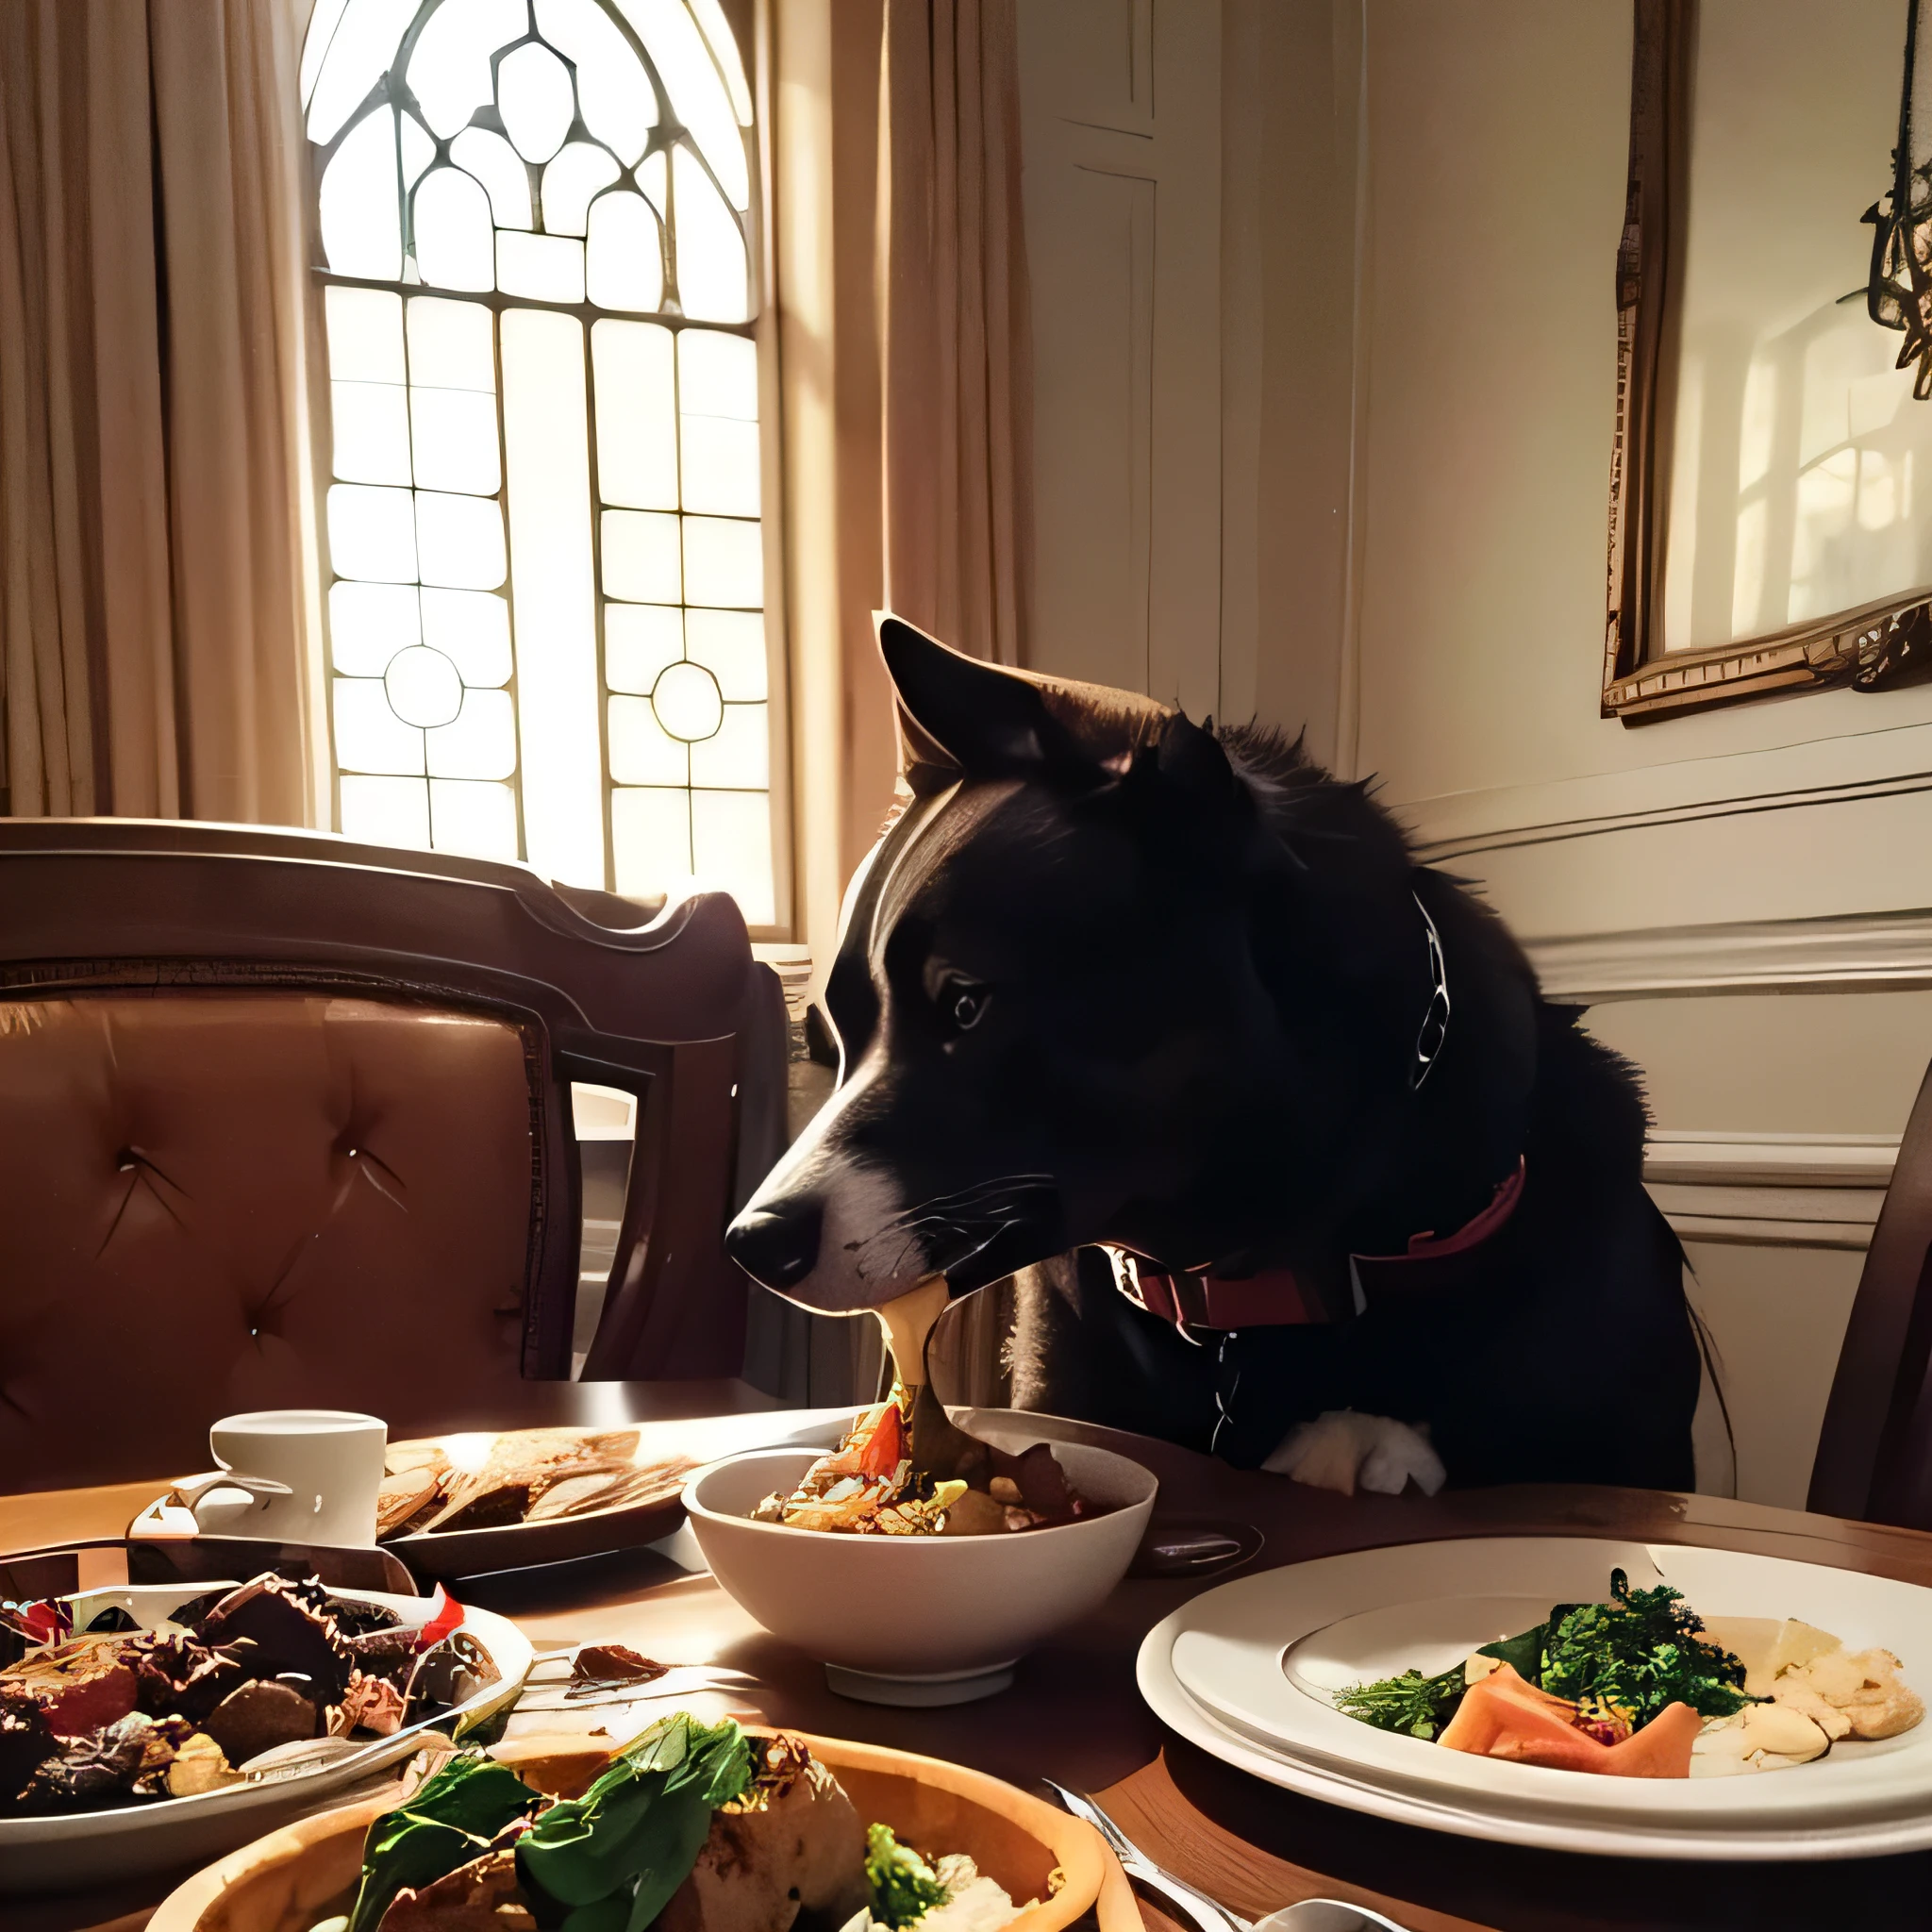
<point x="1278" y="1297"/>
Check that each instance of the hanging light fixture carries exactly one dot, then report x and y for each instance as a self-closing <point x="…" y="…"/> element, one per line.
<point x="1899" y="293"/>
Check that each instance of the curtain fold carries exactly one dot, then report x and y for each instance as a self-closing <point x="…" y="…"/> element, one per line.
<point x="152" y="411"/>
<point x="899" y="286"/>
<point x="956" y="384"/>
<point x="955" y="332"/>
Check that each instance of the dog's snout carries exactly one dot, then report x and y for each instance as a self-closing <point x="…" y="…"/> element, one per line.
<point x="778" y="1247"/>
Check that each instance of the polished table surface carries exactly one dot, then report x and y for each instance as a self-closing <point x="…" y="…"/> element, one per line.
<point x="1073" y="1713"/>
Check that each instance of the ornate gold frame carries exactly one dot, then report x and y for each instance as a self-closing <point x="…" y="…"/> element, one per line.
<point x="1879" y="646"/>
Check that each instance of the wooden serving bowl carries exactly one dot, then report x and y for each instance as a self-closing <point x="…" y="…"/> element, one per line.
<point x="291" y="1878"/>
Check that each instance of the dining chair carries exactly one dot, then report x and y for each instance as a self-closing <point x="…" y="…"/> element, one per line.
<point x="1875" y="1451"/>
<point x="285" y="1121"/>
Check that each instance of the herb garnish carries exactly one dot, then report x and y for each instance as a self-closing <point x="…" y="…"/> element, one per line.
<point x="1637" y="1653"/>
<point x="1634" y="1654"/>
<point x="1412" y="1704"/>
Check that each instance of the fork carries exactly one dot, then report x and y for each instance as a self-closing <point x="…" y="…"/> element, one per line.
<point x="555" y="1692"/>
<point x="1203" y="1913"/>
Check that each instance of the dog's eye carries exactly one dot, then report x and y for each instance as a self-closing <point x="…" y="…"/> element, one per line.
<point x="964" y="1001"/>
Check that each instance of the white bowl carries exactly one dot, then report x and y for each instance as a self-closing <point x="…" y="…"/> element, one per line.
<point x="918" y="1619"/>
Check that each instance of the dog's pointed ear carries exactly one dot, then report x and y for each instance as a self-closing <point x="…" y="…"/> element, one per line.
<point x="956" y="710"/>
<point x="1191" y="757"/>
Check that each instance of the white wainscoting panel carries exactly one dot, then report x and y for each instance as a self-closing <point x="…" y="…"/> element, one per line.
<point x="1867" y="952"/>
<point x="1770" y="1190"/>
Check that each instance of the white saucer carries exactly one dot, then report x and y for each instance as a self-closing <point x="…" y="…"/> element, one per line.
<point x="1243" y="1672"/>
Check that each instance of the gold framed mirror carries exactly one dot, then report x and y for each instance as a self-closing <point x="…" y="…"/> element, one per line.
<point x="1771" y="488"/>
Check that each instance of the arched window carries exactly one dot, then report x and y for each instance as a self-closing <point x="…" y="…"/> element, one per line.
<point x="543" y="536"/>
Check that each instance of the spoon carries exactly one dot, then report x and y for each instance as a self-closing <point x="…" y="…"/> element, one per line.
<point x="1195" y="1548"/>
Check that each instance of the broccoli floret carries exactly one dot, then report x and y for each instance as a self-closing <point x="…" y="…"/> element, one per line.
<point x="904" y="1886"/>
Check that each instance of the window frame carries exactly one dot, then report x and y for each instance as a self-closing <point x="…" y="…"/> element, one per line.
<point x="749" y="22"/>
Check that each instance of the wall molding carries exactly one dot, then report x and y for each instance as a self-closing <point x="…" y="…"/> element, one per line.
<point x="1448" y="846"/>
<point x="1861" y="759"/>
<point x="1866" y="952"/>
<point x="1813" y="1191"/>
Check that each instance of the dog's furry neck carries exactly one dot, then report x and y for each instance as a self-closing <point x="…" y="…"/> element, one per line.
<point x="1444" y="1151"/>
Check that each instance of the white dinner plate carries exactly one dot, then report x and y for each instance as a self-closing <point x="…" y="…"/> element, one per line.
<point x="1246" y="1672"/>
<point x="88" y="1848"/>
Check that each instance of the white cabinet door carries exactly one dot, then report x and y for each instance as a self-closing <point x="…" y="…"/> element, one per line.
<point x="1120" y="120"/>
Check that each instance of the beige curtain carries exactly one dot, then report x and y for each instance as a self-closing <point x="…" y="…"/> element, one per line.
<point x="955" y="336"/>
<point x="151" y="410"/>
<point x="956" y="380"/>
<point x="898" y="302"/>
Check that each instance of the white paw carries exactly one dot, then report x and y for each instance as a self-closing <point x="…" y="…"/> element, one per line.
<point x="1342" y="1451"/>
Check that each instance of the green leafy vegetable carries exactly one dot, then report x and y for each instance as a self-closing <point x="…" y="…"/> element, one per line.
<point x="1522" y="1653"/>
<point x="1412" y="1704"/>
<point x="904" y="1886"/>
<point x="1640" y="1652"/>
<point x="618" y="1853"/>
<point x="450" y="1820"/>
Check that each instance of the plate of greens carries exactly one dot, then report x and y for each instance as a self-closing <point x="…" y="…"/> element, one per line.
<point x="1582" y="1692"/>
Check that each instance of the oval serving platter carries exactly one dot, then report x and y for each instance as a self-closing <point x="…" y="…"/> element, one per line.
<point x="88" y="1848"/>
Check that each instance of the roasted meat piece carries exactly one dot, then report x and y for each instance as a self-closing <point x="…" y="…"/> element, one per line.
<point x="25" y="1743"/>
<point x="259" y="1716"/>
<point x="791" y="1850"/>
<point x="481" y="1896"/>
<point x="80" y="1685"/>
<point x="180" y="1674"/>
<point x="385" y="1652"/>
<point x="293" y="1630"/>
<point x="98" y="1768"/>
<point x="356" y="1621"/>
<point x="613" y="1663"/>
<point x="370" y="1703"/>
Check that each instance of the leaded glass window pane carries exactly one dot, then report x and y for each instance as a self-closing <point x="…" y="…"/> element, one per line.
<point x="543" y="512"/>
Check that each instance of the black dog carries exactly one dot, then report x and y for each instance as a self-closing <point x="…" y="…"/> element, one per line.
<point x="1113" y="979"/>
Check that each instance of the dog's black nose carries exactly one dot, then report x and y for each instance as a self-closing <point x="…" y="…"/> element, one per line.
<point x="777" y="1246"/>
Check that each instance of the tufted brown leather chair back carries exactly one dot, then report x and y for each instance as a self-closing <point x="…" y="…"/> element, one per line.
<point x="285" y="1122"/>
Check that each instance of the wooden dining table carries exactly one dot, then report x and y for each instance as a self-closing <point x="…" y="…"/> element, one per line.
<point x="1074" y="1714"/>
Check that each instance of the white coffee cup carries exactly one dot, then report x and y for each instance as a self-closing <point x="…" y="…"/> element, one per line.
<point x="307" y="1475"/>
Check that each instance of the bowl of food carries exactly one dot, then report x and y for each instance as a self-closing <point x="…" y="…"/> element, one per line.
<point x="918" y="1571"/>
<point x="722" y="1828"/>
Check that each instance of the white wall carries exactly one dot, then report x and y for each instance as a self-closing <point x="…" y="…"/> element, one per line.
<point x="1417" y="319"/>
